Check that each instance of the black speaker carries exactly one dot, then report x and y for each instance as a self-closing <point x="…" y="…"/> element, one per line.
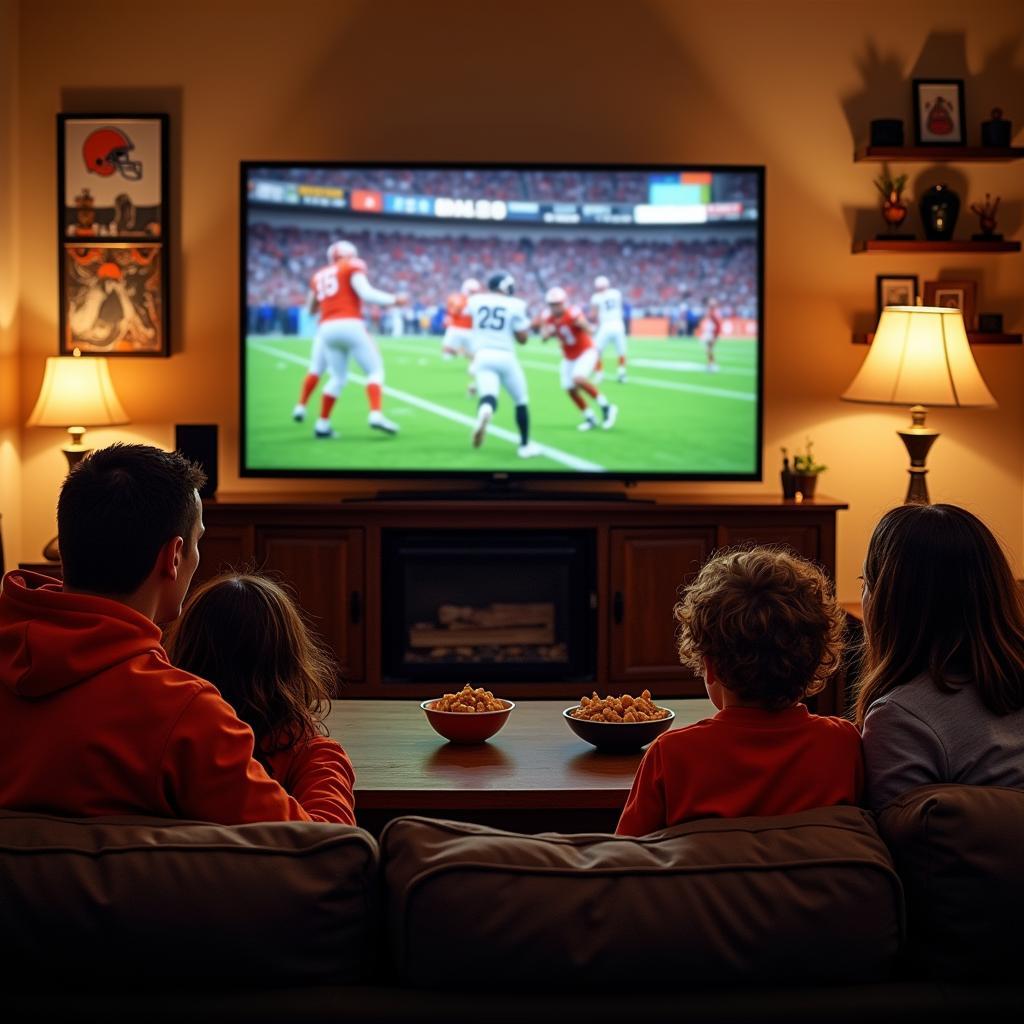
<point x="198" y="442"/>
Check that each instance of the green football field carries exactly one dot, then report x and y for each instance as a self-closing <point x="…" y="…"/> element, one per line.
<point x="674" y="417"/>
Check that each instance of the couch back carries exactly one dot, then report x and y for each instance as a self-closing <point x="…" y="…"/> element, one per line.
<point x="805" y="898"/>
<point x="135" y="898"/>
<point x="960" y="852"/>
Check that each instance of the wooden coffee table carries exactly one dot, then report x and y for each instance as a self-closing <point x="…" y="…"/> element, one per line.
<point x="535" y="775"/>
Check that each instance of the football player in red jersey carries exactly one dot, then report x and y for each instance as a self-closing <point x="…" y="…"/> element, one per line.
<point x="458" y="324"/>
<point x="337" y="292"/>
<point x="579" y="357"/>
<point x="710" y="329"/>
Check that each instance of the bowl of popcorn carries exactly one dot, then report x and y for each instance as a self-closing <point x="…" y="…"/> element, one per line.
<point x="618" y="724"/>
<point x="469" y="716"/>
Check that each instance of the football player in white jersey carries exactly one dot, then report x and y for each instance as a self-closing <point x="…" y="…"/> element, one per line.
<point x="611" y="326"/>
<point x="500" y="323"/>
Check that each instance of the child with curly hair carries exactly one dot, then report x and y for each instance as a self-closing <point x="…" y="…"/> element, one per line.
<point x="763" y="629"/>
<point x="243" y="633"/>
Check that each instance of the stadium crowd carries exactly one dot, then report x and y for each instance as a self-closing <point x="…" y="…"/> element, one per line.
<point x="655" y="277"/>
<point x="507" y="184"/>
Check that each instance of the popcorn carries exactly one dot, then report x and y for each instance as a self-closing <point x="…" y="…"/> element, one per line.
<point x="469" y="701"/>
<point x="618" y="710"/>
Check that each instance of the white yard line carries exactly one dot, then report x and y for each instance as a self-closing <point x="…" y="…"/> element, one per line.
<point x="394" y="345"/>
<point x="555" y="454"/>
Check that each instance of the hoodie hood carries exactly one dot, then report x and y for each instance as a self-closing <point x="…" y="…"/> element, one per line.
<point x="51" y="640"/>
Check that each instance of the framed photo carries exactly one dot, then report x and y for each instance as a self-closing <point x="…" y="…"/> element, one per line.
<point x="112" y="225"/>
<point x="939" y="112"/>
<point x="962" y="295"/>
<point x="895" y="290"/>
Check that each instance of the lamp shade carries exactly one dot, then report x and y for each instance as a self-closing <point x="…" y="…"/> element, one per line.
<point x="77" y="391"/>
<point x="920" y="355"/>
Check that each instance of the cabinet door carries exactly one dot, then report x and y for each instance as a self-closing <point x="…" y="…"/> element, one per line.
<point x="648" y="570"/>
<point x="223" y="548"/>
<point x="804" y="540"/>
<point x="325" y="568"/>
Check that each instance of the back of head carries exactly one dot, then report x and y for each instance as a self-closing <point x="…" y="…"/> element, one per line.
<point x="243" y="633"/>
<point x="117" y="508"/>
<point x="503" y="282"/>
<point x="940" y="598"/>
<point x="767" y="622"/>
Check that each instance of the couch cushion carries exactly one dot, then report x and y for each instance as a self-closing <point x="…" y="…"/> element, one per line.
<point x="151" y="898"/>
<point x="960" y="852"/>
<point x="809" y="897"/>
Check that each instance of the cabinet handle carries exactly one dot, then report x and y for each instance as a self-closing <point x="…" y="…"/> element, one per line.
<point x="355" y="607"/>
<point x="618" y="607"/>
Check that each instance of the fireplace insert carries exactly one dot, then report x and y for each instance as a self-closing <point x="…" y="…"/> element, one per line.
<point x="485" y="605"/>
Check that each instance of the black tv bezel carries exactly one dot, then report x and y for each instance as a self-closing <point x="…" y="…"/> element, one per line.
<point x="509" y="475"/>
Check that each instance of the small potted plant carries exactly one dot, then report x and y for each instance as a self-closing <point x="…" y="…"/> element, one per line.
<point x="894" y="209"/>
<point x="806" y="470"/>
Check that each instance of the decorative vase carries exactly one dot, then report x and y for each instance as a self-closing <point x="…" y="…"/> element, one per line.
<point x="940" y="207"/>
<point x="894" y="212"/>
<point x="805" y="484"/>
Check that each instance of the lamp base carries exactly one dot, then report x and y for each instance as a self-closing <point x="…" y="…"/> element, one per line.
<point x="918" y="439"/>
<point x="74" y="453"/>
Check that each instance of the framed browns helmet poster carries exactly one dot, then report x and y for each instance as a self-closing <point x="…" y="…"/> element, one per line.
<point x="112" y="225"/>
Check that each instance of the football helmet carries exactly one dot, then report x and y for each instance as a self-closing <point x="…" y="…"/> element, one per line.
<point x="555" y="297"/>
<point x="105" y="152"/>
<point x="502" y="281"/>
<point x="600" y="282"/>
<point x="470" y="286"/>
<point x="340" y="251"/>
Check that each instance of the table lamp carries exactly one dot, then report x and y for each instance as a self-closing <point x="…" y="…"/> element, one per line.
<point x="920" y="356"/>
<point x="76" y="390"/>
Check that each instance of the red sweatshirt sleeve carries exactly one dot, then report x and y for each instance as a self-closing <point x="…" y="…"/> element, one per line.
<point x="645" y="809"/>
<point x="208" y="772"/>
<point x="320" y="776"/>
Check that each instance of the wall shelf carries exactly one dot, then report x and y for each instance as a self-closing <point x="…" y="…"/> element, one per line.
<point x="974" y="337"/>
<point x="940" y="154"/>
<point x="920" y="245"/>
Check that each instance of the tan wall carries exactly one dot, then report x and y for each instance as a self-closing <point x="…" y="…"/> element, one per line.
<point x="10" y="404"/>
<point x="790" y="84"/>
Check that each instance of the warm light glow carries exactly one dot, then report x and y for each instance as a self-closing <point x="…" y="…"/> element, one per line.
<point x="77" y="391"/>
<point x="920" y="356"/>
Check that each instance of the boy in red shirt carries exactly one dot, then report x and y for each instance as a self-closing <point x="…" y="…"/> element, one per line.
<point x="763" y="629"/>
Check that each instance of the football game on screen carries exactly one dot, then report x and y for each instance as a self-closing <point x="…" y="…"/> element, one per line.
<point x="482" y="320"/>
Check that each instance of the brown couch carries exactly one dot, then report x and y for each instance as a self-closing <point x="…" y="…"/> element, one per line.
<point x="756" y="919"/>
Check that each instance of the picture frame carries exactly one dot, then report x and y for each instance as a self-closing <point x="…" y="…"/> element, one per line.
<point x="939" y="118"/>
<point x="112" y="227"/>
<point x="895" y="290"/>
<point x="962" y="295"/>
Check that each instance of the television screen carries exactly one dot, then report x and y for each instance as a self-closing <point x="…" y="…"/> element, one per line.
<point x="491" y="320"/>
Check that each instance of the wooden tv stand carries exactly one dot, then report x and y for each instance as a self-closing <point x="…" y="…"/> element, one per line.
<point x="330" y="550"/>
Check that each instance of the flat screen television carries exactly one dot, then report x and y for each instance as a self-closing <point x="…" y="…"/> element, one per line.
<point x="497" y="321"/>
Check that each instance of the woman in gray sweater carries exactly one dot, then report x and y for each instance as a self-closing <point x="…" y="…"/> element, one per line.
<point x="942" y="696"/>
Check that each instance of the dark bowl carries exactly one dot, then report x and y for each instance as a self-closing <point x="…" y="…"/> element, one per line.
<point x="618" y="737"/>
<point x="465" y="726"/>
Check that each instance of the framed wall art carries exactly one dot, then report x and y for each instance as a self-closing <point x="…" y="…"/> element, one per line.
<point x="112" y="217"/>
<point x="962" y="295"/>
<point x="939" y="112"/>
<point x="895" y="290"/>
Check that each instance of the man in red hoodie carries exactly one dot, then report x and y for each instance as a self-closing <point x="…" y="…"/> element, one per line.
<point x="94" y="720"/>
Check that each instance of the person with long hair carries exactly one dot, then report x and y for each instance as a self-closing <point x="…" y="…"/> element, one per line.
<point x="942" y="695"/>
<point x="243" y="633"/>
